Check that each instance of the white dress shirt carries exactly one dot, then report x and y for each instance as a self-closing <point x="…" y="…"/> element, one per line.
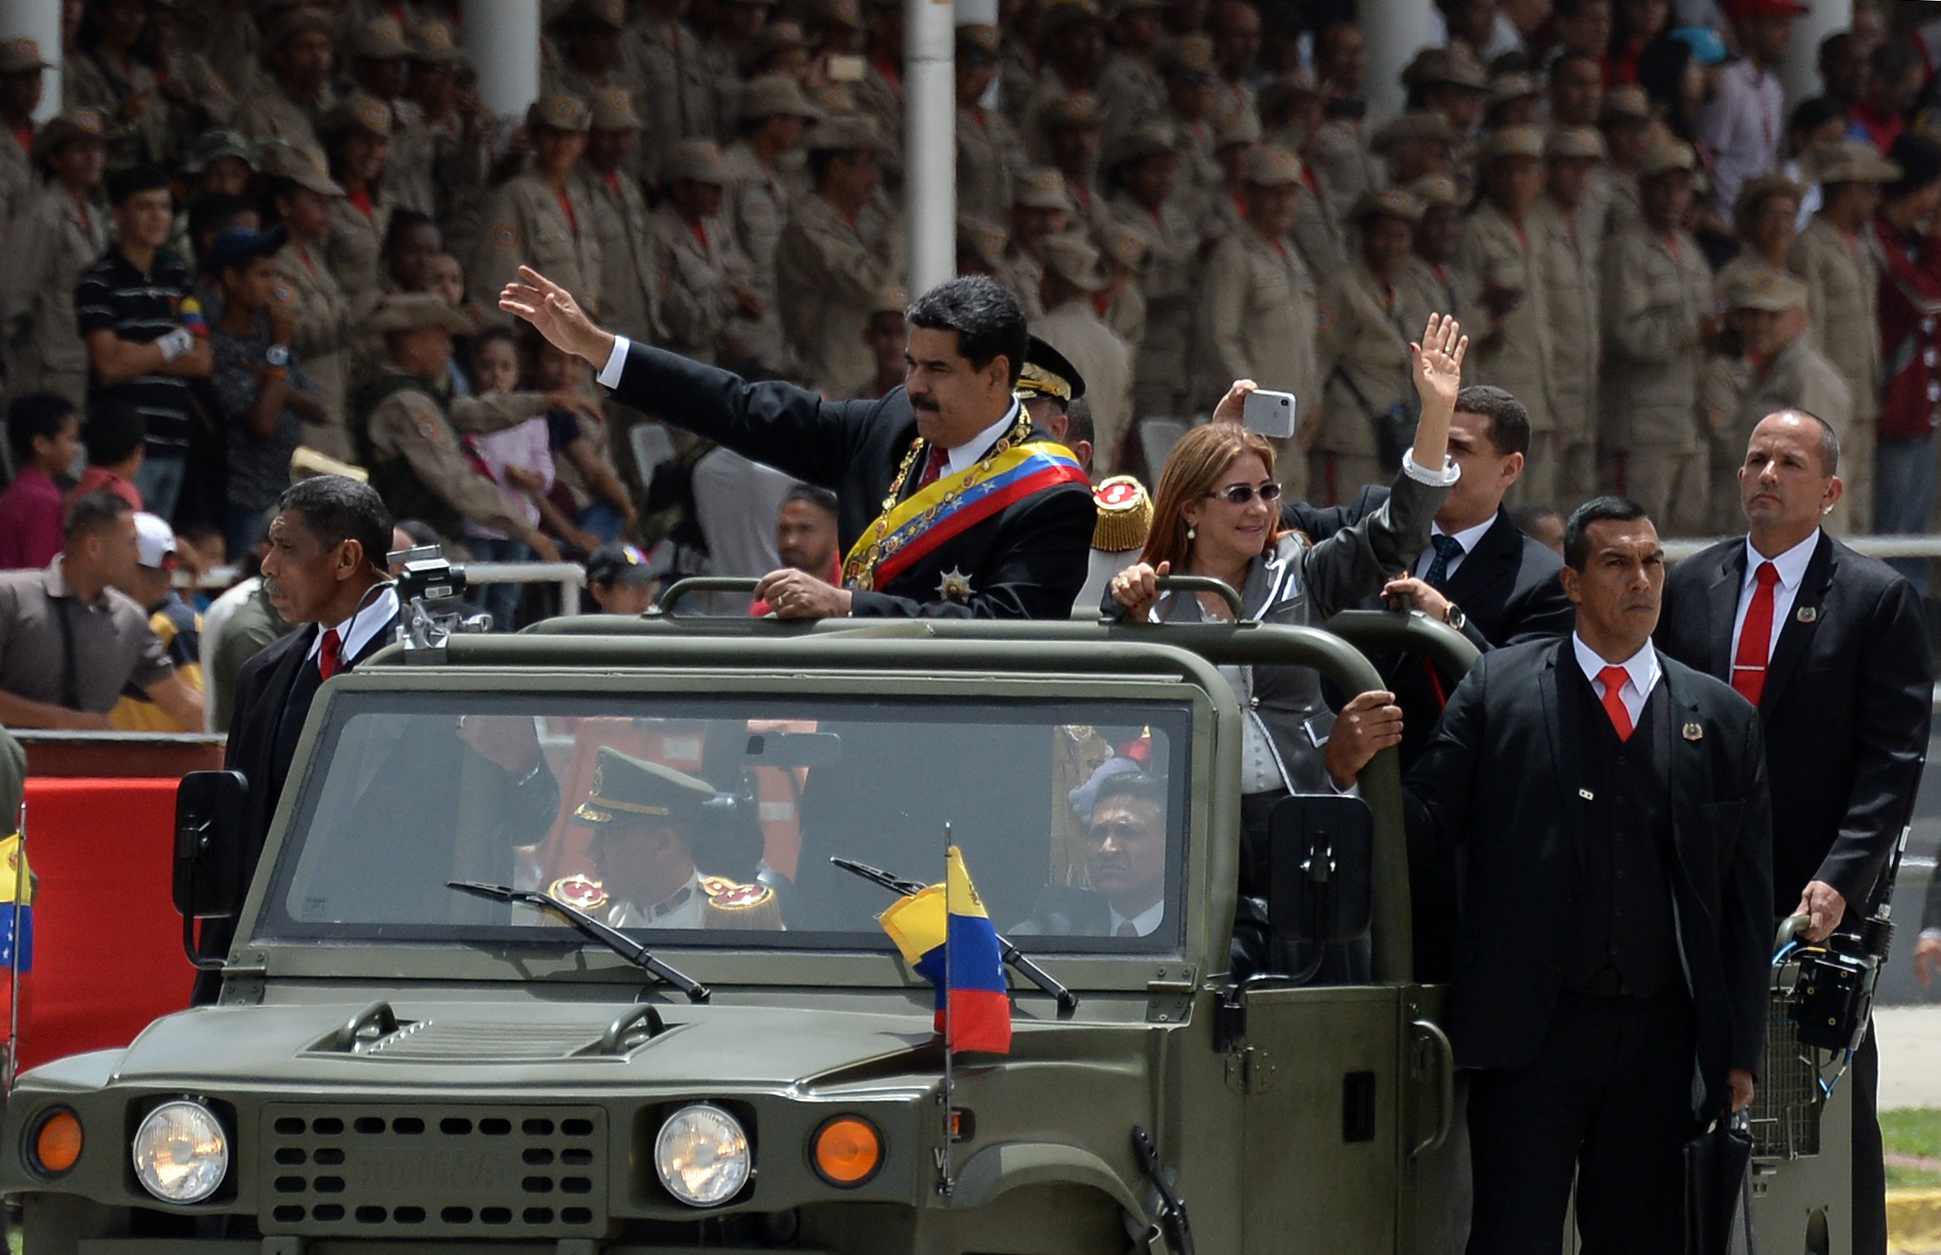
<point x="616" y="363"/>
<point x="1642" y="666"/>
<point x="1742" y="126"/>
<point x="1468" y="538"/>
<point x="354" y="633"/>
<point x="1143" y="923"/>
<point x="1791" y="566"/>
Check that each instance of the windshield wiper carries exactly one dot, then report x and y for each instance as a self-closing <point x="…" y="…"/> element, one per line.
<point x="612" y="938"/>
<point x="1067" y="1000"/>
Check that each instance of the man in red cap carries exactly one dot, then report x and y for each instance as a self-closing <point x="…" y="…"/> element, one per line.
<point x="1744" y="123"/>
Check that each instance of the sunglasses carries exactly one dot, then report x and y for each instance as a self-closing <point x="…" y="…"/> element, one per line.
<point x="1241" y="494"/>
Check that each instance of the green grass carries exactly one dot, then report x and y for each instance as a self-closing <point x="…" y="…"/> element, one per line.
<point x="1915" y="1131"/>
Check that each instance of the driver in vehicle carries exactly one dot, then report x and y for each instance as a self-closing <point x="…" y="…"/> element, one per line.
<point x="1125" y="860"/>
<point x="645" y="819"/>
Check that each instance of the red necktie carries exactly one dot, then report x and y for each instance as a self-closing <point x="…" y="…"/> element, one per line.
<point x="1755" y="637"/>
<point x="933" y="466"/>
<point x="1614" y="678"/>
<point x="327" y="657"/>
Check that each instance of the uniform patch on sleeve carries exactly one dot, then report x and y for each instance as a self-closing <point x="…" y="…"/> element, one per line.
<point x="504" y="234"/>
<point x="1323" y="318"/>
<point x="427" y="427"/>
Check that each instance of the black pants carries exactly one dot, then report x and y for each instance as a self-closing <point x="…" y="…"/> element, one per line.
<point x="1869" y="1175"/>
<point x="1608" y="1098"/>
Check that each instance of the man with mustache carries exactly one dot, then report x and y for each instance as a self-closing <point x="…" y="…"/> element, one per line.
<point x="953" y="502"/>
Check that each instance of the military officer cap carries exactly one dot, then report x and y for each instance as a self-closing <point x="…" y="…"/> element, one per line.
<point x="1454" y="66"/>
<point x="1236" y="126"/>
<point x="1416" y="126"/>
<point x="1049" y="373"/>
<point x="696" y="161"/>
<point x="980" y="37"/>
<point x="1124" y="515"/>
<point x="1575" y="141"/>
<point x="625" y="787"/>
<point x="1043" y="188"/>
<point x="984" y="240"/>
<point x="212" y="146"/>
<point x="300" y="166"/>
<point x="68" y="126"/>
<point x="1190" y="56"/>
<point x="1067" y="13"/>
<point x="1436" y="190"/>
<point x="771" y="41"/>
<point x="436" y="45"/>
<point x="613" y="110"/>
<point x="1626" y="102"/>
<point x="298" y="21"/>
<point x="766" y="95"/>
<point x="561" y="112"/>
<point x="1666" y="157"/>
<point x="1078" y="111"/>
<point x="19" y="56"/>
<point x="608" y="13"/>
<point x="1767" y="290"/>
<point x="1852" y="161"/>
<point x="357" y="111"/>
<point x="380" y="39"/>
<point x="1270" y="165"/>
<point x="844" y="134"/>
<point x="1514" y="141"/>
<point x="415" y="311"/>
<point x="1391" y="202"/>
<point x="1072" y="258"/>
<point x="1148" y="139"/>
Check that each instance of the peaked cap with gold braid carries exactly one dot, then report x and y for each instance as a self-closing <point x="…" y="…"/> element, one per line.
<point x="626" y="786"/>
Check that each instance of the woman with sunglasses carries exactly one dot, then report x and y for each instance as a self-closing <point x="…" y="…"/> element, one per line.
<point x="1217" y="513"/>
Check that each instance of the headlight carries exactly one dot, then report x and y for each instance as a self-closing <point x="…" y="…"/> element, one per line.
<point x="181" y="1153"/>
<point x="702" y="1156"/>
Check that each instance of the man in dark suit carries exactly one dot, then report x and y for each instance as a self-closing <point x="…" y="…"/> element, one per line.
<point x="953" y="502"/>
<point x="1833" y="650"/>
<point x="1611" y="968"/>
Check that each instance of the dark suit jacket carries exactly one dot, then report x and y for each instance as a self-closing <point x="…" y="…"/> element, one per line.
<point x="1846" y="706"/>
<point x="1500" y="780"/>
<point x="1026" y="562"/>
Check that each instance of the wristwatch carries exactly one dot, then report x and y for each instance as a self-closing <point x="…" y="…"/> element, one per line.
<point x="1455" y="618"/>
<point x="277" y="355"/>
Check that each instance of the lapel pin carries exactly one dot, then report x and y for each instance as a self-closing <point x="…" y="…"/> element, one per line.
<point x="1587" y="795"/>
<point x="1806" y="614"/>
<point x="1694" y="732"/>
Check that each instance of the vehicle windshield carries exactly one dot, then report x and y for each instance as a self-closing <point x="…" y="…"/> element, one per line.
<point x="710" y="821"/>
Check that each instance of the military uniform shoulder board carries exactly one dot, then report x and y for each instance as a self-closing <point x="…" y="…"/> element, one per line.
<point x="730" y="904"/>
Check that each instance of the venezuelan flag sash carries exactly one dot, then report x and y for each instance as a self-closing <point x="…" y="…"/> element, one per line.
<point x="908" y="530"/>
<point x="950" y="917"/>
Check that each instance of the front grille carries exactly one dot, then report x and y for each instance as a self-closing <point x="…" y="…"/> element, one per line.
<point x="433" y="1171"/>
<point x="1786" y="1102"/>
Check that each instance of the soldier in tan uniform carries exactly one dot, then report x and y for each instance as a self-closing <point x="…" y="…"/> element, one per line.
<point x="990" y="156"/>
<point x="357" y="135"/>
<point x="1125" y="253"/>
<point x="1511" y="349"/>
<point x="1765" y="217"/>
<point x="1657" y="298"/>
<point x="540" y="218"/>
<point x="195" y="97"/>
<point x="450" y="132"/>
<point x="1835" y="258"/>
<point x="1362" y="355"/>
<point x="1256" y="306"/>
<point x="20" y="92"/>
<point x="838" y="252"/>
<point x="1627" y="122"/>
<point x="1074" y="135"/>
<point x="1073" y="278"/>
<point x="409" y="441"/>
<point x="54" y="238"/>
<point x="675" y="91"/>
<point x="1128" y="87"/>
<point x="1071" y="43"/>
<point x="702" y="274"/>
<point x="1235" y="136"/>
<point x="1141" y="168"/>
<point x="300" y="51"/>
<point x="102" y="74"/>
<point x="381" y="64"/>
<point x="326" y="323"/>
<point x="1417" y="145"/>
<point x="1429" y="282"/>
<point x="1186" y="67"/>
<point x="629" y="288"/>
<point x="761" y="187"/>
<point x="1041" y="210"/>
<point x="1567" y="253"/>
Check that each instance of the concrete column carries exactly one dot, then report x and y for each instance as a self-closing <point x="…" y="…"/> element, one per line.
<point x="930" y="147"/>
<point x="1801" y="72"/>
<point x="502" y="38"/>
<point x="40" y="21"/>
<point x="1394" y="31"/>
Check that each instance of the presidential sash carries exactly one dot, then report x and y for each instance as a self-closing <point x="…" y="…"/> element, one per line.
<point x="908" y="531"/>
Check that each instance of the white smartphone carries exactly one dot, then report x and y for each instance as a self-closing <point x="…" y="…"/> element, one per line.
<point x="1269" y="413"/>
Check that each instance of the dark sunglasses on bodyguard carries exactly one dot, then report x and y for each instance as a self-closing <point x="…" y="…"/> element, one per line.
<point x="1241" y="494"/>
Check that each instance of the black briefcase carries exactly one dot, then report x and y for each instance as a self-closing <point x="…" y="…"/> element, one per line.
<point x="1715" y="1173"/>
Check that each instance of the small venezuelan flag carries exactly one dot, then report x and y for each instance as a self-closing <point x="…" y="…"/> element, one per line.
<point x="971" y="984"/>
<point x="15" y="878"/>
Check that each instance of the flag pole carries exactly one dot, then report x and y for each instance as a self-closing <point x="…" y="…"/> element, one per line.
<point x="13" y="1010"/>
<point x="947" y="1185"/>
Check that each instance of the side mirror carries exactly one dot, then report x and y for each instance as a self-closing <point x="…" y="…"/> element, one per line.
<point x="1320" y="868"/>
<point x="209" y="810"/>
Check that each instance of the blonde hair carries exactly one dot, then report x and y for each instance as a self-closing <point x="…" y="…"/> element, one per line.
<point x="1193" y="470"/>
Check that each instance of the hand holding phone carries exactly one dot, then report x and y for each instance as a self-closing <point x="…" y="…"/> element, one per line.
<point x="1269" y="414"/>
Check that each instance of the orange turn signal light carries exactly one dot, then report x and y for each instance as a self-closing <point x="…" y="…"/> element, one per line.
<point x="847" y="1151"/>
<point x="57" y="1143"/>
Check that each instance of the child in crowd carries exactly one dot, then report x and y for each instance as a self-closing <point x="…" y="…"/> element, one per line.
<point x="44" y="435"/>
<point x="115" y="436"/>
<point x="588" y="489"/>
<point x="518" y="459"/>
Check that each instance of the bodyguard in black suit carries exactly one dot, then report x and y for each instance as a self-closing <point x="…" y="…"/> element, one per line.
<point x="1611" y="966"/>
<point x="1836" y="659"/>
<point x="1016" y="545"/>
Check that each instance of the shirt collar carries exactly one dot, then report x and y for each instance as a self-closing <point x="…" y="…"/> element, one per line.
<point x="1144" y="923"/>
<point x="1468" y="537"/>
<point x="1642" y="666"/>
<point x="55" y="580"/>
<point x="1791" y="565"/>
<point x="964" y="454"/>
<point x="356" y="632"/>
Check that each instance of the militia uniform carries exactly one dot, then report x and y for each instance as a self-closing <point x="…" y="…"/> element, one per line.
<point x="126" y="95"/>
<point x="633" y="799"/>
<point x="1797" y="377"/>
<point x="1341" y="157"/>
<point x="52" y="241"/>
<point x="358" y="224"/>
<point x="1087" y="348"/>
<point x="675" y="88"/>
<point x="19" y="180"/>
<point x="697" y="264"/>
<point x="529" y="224"/>
<point x="1129" y="89"/>
<point x="1657" y="291"/>
<point x="268" y="112"/>
<point x="757" y="207"/>
<point x="1566" y="253"/>
<point x="990" y="155"/>
<point x="326" y="321"/>
<point x="1161" y="384"/>
<point x="629" y="290"/>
